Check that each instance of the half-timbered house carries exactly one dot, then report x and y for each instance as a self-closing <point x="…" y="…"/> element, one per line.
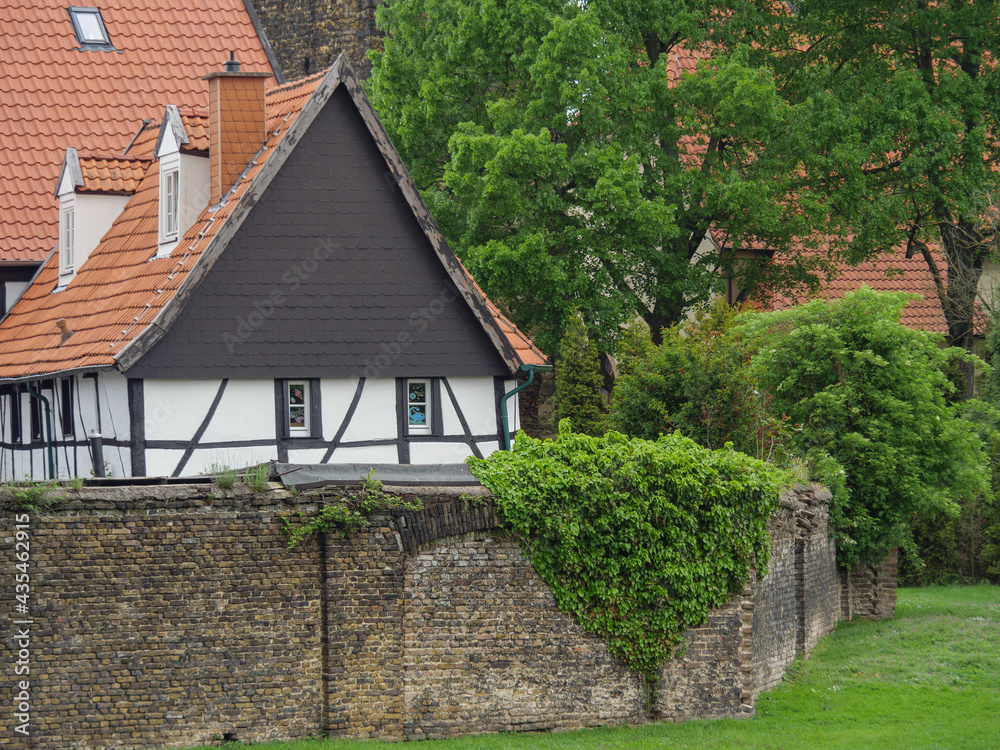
<point x="256" y="280"/>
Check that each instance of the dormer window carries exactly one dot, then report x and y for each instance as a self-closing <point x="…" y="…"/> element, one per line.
<point x="91" y="33"/>
<point x="169" y="203"/>
<point x="67" y="235"/>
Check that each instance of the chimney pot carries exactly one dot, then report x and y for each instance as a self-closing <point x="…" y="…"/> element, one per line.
<point x="63" y="330"/>
<point x="232" y="65"/>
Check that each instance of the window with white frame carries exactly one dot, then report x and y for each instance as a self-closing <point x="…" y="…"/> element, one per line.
<point x="418" y="406"/>
<point x="169" y="203"/>
<point x="67" y="235"/>
<point x="298" y="405"/>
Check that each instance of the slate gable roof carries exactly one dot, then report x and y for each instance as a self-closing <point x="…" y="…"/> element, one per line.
<point x="57" y="95"/>
<point x="124" y="301"/>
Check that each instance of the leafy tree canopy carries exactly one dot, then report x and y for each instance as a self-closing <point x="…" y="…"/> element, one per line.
<point x="870" y="392"/>
<point x="910" y="97"/>
<point x="572" y="166"/>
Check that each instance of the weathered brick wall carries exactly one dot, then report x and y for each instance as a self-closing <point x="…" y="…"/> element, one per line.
<point x="166" y="616"/>
<point x="169" y="619"/>
<point x="487" y="649"/>
<point x="798" y="601"/>
<point x="869" y="590"/>
<point x="775" y="604"/>
<point x="709" y="680"/>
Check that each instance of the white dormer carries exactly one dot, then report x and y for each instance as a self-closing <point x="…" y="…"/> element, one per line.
<point x="184" y="182"/>
<point x="84" y="218"/>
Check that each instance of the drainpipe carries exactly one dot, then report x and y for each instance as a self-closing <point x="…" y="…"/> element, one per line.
<point x="48" y="427"/>
<point x="531" y="370"/>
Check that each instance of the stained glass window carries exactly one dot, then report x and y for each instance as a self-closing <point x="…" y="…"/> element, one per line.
<point x="298" y="406"/>
<point x="418" y="404"/>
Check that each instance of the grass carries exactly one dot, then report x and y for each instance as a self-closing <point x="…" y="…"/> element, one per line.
<point x="928" y="679"/>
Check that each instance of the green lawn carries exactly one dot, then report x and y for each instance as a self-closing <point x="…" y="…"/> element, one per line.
<point x="928" y="679"/>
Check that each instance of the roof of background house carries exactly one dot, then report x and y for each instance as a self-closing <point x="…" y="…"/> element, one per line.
<point x="58" y="95"/>
<point x="123" y="300"/>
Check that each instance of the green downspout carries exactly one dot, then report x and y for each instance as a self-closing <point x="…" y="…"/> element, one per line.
<point x="531" y="370"/>
<point x="48" y="427"/>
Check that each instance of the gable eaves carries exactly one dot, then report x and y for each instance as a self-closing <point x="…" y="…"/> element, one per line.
<point x="172" y="120"/>
<point x="70" y="168"/>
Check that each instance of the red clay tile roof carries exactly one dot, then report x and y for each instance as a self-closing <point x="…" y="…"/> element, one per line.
<point x="122" y="288"/>
<point x="58" y="96"/>
<point x="119" y="290"/>
<point x="196" y="126"/>
<point x="108" y="173"/>
<point x="890" y="272"/>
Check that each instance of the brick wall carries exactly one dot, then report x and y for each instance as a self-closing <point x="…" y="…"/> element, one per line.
<point x="164" y="619"/>
<point x="166" y="616"/>
<point x="869" y="590"/>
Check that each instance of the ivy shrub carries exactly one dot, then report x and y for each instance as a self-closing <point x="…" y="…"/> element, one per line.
<point x="872" y="394"/>
<point x="637" y="539"/>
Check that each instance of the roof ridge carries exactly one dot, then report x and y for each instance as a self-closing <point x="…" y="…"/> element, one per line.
<point x="112" y="156"/>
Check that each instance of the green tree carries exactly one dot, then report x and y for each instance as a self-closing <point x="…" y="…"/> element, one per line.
<point x="570" y="166"/>
<point x="910" y="96"/>
<point x="870" y="392"/>
<point x="579" y="380"/>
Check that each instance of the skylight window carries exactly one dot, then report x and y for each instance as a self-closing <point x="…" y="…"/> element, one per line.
<point x="88" y="25"/>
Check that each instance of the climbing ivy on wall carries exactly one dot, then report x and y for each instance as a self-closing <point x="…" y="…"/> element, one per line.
<point x="637" y="539"/>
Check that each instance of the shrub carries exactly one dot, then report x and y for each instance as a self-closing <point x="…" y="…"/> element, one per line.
<point x="697" y="381"/>
<point x="871" y="393"/>
<point x="638" y="540"/>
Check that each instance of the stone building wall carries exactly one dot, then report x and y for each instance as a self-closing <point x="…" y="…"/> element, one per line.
<point x="172" y="616"/>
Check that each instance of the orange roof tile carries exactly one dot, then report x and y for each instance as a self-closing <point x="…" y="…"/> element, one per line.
<point x="58" y="96"/>
<point x="103" y="173"/>
<point x="123" y="288"/>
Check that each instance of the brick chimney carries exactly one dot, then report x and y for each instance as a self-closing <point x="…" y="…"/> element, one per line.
<point x="236" y="122"/>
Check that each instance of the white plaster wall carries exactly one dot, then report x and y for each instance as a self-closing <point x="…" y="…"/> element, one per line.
<point x="246" y="412"/>
<point x="176" y="408"/>
<point x="376" y="454"/>
<point x="14" y="291"/>
<point x="85" y="392"/>
<point x="375" y="417"/>
<point x="195" y="189"/>
<point x="203" y="459"/>
<point x="439" y="453"/>
<point x="487" y="447"/>
<point x="305" y="456"/>
<point x="336" y="397"/>
<point x="113" y="388"/>
<point x="476" y="399"/>
<point x="161" y="463"/>
<point x="94" y="216"/>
